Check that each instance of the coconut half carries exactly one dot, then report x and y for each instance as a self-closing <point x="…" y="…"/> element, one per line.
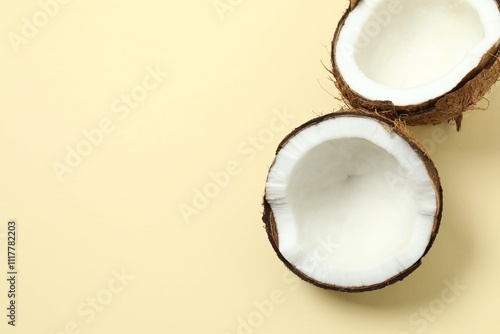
<point x="352" y="202"/>
<point x="424" y="61"/>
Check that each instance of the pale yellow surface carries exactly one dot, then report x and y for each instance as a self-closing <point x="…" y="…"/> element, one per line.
<point x="118" y="211"/>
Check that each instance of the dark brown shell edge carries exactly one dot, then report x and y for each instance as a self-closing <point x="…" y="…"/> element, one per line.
<point x="399" y="129"/>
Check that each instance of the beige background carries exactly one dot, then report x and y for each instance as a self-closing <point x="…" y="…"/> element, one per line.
<point x="118" y="211"/>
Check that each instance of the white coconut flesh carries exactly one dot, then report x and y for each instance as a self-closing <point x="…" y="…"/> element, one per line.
<point x="411" y="51"/>
<point x="353" y="204"/>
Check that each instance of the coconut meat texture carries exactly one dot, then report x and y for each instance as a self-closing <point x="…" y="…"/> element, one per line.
<point x="353" y="203"/>
<point x="412" y="51"/>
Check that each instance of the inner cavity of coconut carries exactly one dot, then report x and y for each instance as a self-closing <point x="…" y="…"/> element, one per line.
<point x="353" y="204"/>
<point x="351" y="207"/>
<point x="411" y="51"/>
<point x="420" y="43"/>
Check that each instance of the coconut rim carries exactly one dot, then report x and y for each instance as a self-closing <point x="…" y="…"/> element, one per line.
<point x="427" y="112"/>
<point x="391" y="126"/>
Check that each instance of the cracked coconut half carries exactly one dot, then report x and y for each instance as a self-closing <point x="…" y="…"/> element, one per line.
<point x="352" y="202"/>
<point x="422" y="61"/>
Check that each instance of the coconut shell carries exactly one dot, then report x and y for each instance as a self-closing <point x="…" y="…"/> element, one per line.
<point x="445" y="108"/>
<point x="392" y="126"/>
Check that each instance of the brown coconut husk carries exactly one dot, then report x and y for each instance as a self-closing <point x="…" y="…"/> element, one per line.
<point x="397" y="127"/>
<point x="448" y="107"/>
